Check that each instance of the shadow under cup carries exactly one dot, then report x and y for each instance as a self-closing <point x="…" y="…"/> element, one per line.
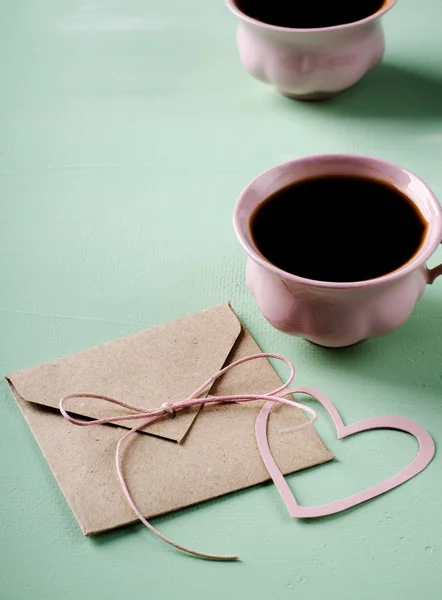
<point x="334" y="312"/>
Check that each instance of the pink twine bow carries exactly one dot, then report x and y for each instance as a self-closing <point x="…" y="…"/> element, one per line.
<point x="149" y="417"/>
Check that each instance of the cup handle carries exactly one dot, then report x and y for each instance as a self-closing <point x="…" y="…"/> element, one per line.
<point x="433" y="274"/>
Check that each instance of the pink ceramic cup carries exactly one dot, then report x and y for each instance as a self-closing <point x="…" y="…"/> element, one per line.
<point x="337" y="314"/>
<point x="310" y="64"/>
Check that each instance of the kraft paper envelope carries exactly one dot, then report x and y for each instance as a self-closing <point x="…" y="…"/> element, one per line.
<point x="196" y="456"/>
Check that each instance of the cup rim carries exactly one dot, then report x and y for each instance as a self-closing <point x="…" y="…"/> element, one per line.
<point x="425" y="251"/>
<point x="231" y="5"/>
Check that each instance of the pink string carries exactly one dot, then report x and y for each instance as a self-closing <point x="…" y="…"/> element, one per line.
<point x="149" y="417"/>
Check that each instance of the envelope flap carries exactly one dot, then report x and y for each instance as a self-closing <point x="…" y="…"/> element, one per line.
<point x="163" y="364"/>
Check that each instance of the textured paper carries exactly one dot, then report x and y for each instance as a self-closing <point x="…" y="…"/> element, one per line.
<point x="163" y="364"/>
<point x="218" y="455"/>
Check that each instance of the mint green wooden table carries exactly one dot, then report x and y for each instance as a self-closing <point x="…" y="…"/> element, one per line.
<point x="127" y="130"/>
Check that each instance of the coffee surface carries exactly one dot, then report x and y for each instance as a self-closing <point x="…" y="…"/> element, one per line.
<point x="309" y="14"/>
<point x="338" y="228"/>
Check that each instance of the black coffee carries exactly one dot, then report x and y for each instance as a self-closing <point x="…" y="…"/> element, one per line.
<point x="338" y="228"/>
<point x="309" y="14"/>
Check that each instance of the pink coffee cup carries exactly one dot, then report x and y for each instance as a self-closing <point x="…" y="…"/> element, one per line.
<point x="329" y="313"/>
<point x="310" y="64"/>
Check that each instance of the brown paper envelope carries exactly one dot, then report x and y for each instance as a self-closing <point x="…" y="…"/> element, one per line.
<point x="220" y="454"/>
<point x="163" y="364"/>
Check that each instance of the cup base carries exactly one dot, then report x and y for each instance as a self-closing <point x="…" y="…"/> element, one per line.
<point x="315" y="97"/>
<point x="335" y="347"/>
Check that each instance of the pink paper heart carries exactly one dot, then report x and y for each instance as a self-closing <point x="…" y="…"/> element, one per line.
<point x="422" y="459"/>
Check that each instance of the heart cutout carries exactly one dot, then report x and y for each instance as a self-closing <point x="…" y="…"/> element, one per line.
<point x="418" y="464"/>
